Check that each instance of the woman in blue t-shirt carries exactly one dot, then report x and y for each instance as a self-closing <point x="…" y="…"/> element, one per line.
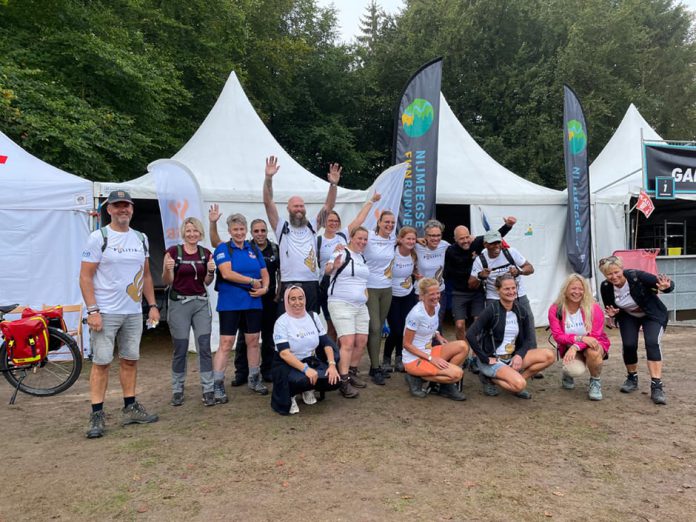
<point x="241" y="281"/>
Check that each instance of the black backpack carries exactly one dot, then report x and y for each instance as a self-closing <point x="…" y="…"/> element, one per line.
<point x="218" y="275"/>
<point x="105" y="238"/>
<point x="505" y="252"/>
<point x="319" y="240"/>
<point x="348" y="259"/>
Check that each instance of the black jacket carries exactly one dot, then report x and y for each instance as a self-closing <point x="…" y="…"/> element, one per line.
<point x="643" y="289"/>
<point x="488" y="331"/>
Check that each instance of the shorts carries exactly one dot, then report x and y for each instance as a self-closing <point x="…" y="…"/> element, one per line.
<point x="467" y="305"/>
<point x="490" y="370"/>
<point x="349" y="319"/>
<point x="422" y="367"/>
<point x="123" y="330"/>
<point x="229" y="321"/>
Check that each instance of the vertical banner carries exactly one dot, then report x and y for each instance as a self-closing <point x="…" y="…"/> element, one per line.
<point x="179" y="197"/>
<point x="415" y="143"/>
<point x="578" y="241"/>
<point x="389" y="185"/>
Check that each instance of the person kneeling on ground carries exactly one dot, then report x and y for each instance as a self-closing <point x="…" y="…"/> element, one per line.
<point x="500" y="338"/>
<point x="423" y="361"/>
<point x="296" y="367"/>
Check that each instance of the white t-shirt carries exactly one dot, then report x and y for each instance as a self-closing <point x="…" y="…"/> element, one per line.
<point x="574" y="323"/>
<point x="302" y="334"/>
<point x="431" y="263"/>
<point x="351" y="284"/>
<point x="623" y="300"/>
<point x="512" y="328"/>
<point x="328" y="246"/>
<point x="425" y="327"/>
<point x="499" y="266"/>
<point x="402" y="270"/>
<point x="379" y="254"/>
<point x="118" y="282"/>
<point x="298" y="252"/>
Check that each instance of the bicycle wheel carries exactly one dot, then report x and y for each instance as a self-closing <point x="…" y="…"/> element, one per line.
<point x="55" y="374"/>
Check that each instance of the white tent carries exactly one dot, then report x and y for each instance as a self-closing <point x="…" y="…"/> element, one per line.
<point x="44" y="214"/>
<point x="467" y="175"/>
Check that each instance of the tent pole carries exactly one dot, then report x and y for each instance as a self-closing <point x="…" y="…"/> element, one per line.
<point x="635" y="231"/>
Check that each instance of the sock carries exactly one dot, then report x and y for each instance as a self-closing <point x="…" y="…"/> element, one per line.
<point x="218" y="376"/>
<point x="254" y="371"/>
<point x="352" y="369"/>
<point x="127" y="401"/>
<point x="97" y="407"/>
<point x="656" y="381"/>
<point x="594" y="378"/>
<point x="344" y="377"/>
<point x="633" y="375"/>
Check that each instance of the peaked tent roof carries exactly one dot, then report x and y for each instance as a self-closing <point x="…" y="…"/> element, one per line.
<point x="468" y="175"/>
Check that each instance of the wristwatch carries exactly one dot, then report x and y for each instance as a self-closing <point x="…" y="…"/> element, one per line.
<point x="153" y="306"/>
<point x="430" y="358"/>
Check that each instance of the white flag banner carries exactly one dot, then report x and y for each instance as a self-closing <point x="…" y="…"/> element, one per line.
<point x="389" y="185"/>
<point x="179" y="197"/>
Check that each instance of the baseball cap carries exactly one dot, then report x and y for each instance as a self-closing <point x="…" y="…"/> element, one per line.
<point x="119" y="195"/>
<point x="492" y="237"/>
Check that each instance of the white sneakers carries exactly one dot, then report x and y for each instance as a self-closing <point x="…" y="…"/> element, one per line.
<point x="308" y="397"/>
<point x="294" y="408"/>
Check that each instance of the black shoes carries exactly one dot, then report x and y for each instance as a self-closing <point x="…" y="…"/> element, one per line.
<point x="630" y="384"/>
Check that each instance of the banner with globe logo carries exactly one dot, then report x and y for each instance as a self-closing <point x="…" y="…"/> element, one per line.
<point x="415" y="143"/>
<point x="578" y="237"/>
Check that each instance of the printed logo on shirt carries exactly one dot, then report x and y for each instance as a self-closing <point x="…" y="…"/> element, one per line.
<point x="406" y="283"/>
<point x="251" y="254"/>
<point x="438" y="275"/>
<point x="220" y="256"/>
<point x="311" y="261"/>
<point x="135" y="289"/>
<point x="389" y="270"/>
<point x="86" y="253"/>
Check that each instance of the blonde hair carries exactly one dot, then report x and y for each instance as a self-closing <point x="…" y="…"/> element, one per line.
<point x="196" y="224"/>
<point x="607" y="262"/>
<point x="426" y="283"/>
<point x="403" y="232"/>
<point x="585" y="304"/>
<point x="381" y="216"/>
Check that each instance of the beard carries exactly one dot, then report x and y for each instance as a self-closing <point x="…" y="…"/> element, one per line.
<point x="298" y="219"/>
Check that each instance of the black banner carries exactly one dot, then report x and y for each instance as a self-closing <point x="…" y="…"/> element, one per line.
<point x="578" y="238"/>
<point x="415" y="142"/>
<point x="675" y="161"/>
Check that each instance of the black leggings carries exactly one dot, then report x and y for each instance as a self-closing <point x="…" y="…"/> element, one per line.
<point x="629" y="326"/>
<point x="399" y="309"/>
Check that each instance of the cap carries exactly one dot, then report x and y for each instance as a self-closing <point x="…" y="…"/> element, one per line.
<point x="492" y="237"/>
<point x="119" y="195"/>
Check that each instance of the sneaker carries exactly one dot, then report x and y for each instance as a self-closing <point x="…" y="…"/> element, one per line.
<point x="524" y="394"/>
<point x="657" y="394"/>
<point x="450" y="391"/>
<point x="208" y="399"/>
<point x="399" y="365"/>
<point x="219" y="392"/>
<point x="347" y="390"/>
<point x="239" y="380"/>
<point x="489" y="388"/>
<point x="387" y="366"/>
<point x="630" y="384"/>
<point x="356" y="381"/>
<point x="308" y="397"/>
<point x="595" y="393"/>
<point x="415" y="386"/>
<point x="567" y="382"/>
<point x="256" y="385"/>
<point x="177" y="398"/>
<point x="377" y="376"/>
<point x="137" y="414"/>
<point x="294" y="408"/>
<point x="97" y="425"/>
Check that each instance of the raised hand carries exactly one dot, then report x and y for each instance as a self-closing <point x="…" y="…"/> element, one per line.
<point x="334" y="175"/>
<point x="214" y="213"/>
<point x="376" y="197"/>
<point x="510" y="221"/>
<point x="272" y="166"/>
<point x="663" y="282"/>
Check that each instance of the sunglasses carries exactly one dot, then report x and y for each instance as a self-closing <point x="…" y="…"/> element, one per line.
<point x="608" y="260"/>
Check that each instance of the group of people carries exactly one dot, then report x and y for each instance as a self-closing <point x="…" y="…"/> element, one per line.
<point x="271" y="295"/>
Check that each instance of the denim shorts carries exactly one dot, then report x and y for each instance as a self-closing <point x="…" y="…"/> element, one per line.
<point x="123" y="330"/>
<point x="490" y="370"/>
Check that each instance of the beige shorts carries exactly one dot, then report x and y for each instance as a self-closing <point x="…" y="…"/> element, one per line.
<point x="349" y="319"/>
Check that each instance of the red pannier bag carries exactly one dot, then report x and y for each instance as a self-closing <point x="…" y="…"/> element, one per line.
<point x="54" y="318"/>
<point x="26" y="339"/>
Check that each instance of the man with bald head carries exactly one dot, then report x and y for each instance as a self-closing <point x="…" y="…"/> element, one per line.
<point x="467" y="304"/>
<point x="297" y="241"/>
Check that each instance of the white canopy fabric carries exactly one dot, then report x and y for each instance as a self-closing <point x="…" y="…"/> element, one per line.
<point x="44" y="224"/>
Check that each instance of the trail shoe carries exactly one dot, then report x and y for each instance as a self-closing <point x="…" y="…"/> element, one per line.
<point x="239" y="380"/>
<point x="567" y="382"/>
<point x="177" y="398"/>
<point x="415" y="386"/>
<point x="387" y="366"/>
<point x="451" y="392"/>
<point x="657" y="394"/>
<point x="630" y="384"/>
<point x="473" y="365"/>
<point x="308" y="397"/>
<point x="489" y="388"/>
<point x="595" y="393"/>
<point x="377" y="376"/>
<point x="347" y="389"/>
<point x="208" y="399"/>
<point x="256" y="384"/>
<point x="137" y="414"/>
<point x="399" y="365"/>
<point x="294" y="408"/>
<point x="524" y="394"/>
<point x="356" y="381"/>
<point x="97" y="425"/>
<point x="219" y="392"/>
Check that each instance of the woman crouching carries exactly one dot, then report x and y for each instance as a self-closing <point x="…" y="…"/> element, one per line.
<point x="423" y="361"/>
<point x="305" y="358"/>
<point x="507" y="357"/>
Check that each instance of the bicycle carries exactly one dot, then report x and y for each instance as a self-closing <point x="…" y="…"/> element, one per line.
<point x="57" y="372"/>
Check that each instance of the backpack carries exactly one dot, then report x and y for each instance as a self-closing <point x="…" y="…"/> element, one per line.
<point x="171" y="293"/>
<point x="348" y="259"/>
<point x="218" y="275"/>
<point x="319" y="240"/>
<point x="505" y="252"/>
<point x="286" y="230"/>
<point x="26" y="339"/>
<point x="105" y="238"/>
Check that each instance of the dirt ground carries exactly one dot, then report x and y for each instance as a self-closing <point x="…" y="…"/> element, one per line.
<point x="384" y="456"/>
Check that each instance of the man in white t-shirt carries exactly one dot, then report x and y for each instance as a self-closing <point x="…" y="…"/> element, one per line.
<point x="114" y="276"/>
<point x="297" y="236"/>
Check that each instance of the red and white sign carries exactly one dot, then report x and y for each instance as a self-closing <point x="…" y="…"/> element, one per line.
<point x="645" y="204"/>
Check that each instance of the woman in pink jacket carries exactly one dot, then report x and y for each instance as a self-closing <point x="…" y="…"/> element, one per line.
<point x="577" y="326"/>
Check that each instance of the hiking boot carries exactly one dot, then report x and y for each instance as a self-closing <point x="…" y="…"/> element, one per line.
<point x="387" y="366"/>
<point x="239" y="380"/>
<point x="524" y="394"/>
<point x="137" y="414"/>
<point x="308" y="397"/>
<point x="256" y="385"/>
<point x="450" y="391"/>
<point x="415" y="386"/>
<point x="294" y="408"/>
<point x="377" y="376"/>
<point x="97" y="425"/>
<point x="208" y="399"/>
<point x="356" y="381"/>
<point x="595" y="393"/>
<point x="567" y="382"/>
<point x="177" y="398"/>
<point x="630" y="384"/>
<point x="473" y="365"/>
<point x="657" y="394"/>
<point x="399" y="365"/>
<point x="489" y="388"/>
<point x="219" y="394"/>
<point x="347" y="389"/>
